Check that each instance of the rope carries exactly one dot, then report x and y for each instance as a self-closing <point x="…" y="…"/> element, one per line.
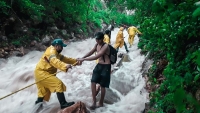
<point x="32" y="84"/>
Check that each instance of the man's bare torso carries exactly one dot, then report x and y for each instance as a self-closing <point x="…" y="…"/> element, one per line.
<point x="106" y="54"/>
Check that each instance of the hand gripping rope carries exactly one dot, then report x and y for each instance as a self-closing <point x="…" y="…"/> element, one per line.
<point x="32" y="84"/>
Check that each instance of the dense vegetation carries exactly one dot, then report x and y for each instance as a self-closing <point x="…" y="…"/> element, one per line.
<point x="78" y="16"/>
<point x="171" y="32"/>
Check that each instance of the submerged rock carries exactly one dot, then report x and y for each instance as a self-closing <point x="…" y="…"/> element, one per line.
<point x="78" y="107"/>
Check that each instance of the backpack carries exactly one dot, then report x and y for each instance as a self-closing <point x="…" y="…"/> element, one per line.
<point x="112" y="55"/>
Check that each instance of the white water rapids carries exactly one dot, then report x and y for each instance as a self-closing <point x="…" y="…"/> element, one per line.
<point x="126" y="89"/>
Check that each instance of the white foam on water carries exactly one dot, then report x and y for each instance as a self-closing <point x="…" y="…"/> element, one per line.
<point x="127" y="84"/>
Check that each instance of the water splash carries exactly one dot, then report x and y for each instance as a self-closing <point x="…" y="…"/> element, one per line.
<point x="126" y="88"/>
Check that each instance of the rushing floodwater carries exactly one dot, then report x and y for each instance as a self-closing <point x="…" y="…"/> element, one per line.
<point x="126" y="92"/>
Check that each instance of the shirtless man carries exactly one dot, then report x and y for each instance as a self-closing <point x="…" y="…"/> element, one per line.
<point x="101" y="72"/>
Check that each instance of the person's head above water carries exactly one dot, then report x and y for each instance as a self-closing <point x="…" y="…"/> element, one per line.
<point x="58" y="44"/>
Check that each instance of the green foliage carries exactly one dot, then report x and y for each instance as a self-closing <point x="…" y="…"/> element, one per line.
<point x="16" y="42"/>
<point x="21" y="41"/>
<point x="70" y="11"/>
<point x="98" y="13"/>
<point x="171" y="31"/>
<point x="196" y="13"/>
<point x="4" y="7"/>
<point x="28" y="7"/>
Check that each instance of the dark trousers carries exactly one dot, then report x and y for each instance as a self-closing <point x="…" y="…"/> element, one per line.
<point x="124" y="46"/>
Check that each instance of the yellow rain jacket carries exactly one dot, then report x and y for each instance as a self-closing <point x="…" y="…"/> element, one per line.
<point x="119" y="39"/>
<point x="106" y="39"/>
<point x="132" y="31"/>
<point x="47" y="66"/>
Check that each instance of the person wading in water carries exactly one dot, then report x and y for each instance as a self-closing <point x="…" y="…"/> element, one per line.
<point x="101" y="72"/>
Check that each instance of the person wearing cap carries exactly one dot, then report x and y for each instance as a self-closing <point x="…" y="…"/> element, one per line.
<point x="120" y="40"/>
<point x="47" y="66"/>
<point x="101" y="72"/>
<point x="132" y="31"/>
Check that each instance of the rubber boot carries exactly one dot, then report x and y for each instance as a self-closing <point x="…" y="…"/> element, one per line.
<point x="62" y="101"/>
<point x="39" y="99"/>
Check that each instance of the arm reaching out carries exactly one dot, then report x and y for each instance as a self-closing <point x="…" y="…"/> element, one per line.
<point x="99" y="54"/>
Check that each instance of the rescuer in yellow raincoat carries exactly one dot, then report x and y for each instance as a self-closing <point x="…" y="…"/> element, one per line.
<point x="132" y="32"/>
<point x="106" y="36"/>
<point x="47" y="66"/>
<point x="120" y="40"/>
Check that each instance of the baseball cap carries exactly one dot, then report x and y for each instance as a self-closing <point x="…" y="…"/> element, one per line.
<point x="58" y="42"/>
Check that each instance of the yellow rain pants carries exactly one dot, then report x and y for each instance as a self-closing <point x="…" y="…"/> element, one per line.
<point x="47" y="66"/>
<point x="131" y="39"/>
<point x="132" y="32"/>
<point x="119" y="39"/>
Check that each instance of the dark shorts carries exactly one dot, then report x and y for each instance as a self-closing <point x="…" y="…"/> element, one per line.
<point x="101" y="75"/>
